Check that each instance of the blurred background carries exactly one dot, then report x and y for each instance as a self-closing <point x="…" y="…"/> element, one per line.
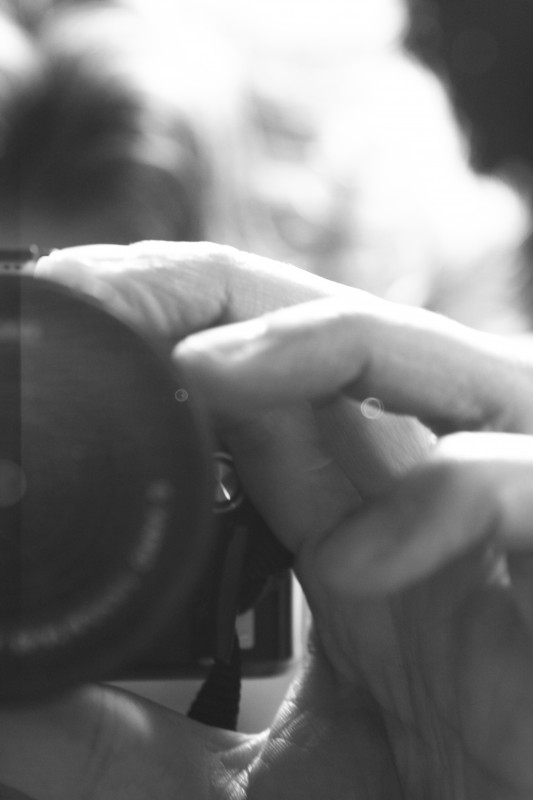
<point x="303" y="130"/>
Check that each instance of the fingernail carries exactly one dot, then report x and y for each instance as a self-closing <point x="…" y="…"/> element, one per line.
<point x="236" y="341"/>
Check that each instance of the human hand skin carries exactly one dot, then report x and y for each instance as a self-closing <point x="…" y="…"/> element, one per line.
<point x="413" y="554"/>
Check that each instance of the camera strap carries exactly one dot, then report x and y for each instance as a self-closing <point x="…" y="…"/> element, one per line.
<point x="218" y="701"/>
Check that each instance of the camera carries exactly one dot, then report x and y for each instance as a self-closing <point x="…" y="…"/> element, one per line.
<point x="128" y="548"/>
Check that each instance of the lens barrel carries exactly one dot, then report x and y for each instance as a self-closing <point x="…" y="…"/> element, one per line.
<point x="105" y="490"/>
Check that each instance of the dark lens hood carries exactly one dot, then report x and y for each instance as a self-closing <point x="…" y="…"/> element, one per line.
<point x="105" y="490"/>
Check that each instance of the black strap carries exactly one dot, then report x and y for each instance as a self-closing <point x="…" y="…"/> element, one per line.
<point x="218" y="700"/>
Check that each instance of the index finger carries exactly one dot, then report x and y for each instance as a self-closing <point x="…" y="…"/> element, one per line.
<point x="407" y="360"/>
<point x="171" y="289"/>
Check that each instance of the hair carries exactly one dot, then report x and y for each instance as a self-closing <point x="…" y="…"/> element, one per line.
<point x="103" y="119"/>
<point x="483" y="51"/>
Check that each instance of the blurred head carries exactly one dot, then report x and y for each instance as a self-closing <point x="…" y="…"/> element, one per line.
<point x="109" y="130"/>
<point x="483" y="49"/>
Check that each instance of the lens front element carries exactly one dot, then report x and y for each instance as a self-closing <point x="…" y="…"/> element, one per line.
<point x="105" y="490"/>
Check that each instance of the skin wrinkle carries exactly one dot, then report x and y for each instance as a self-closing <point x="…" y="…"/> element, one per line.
<point x="482" y="768"/>
<point x="150" y="303"/>
<point x="236" y="766"/>
<point x="502" y="691"/>
<point x="499" y="683"/>
<point x="435" y="741"/>
<point x="424" y="708"/>
<point x="295" y="731"/>
<point x="423" y="795"/>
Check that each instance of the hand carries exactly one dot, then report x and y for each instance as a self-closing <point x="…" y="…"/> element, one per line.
<point x="416" y="617"/>
<point x="424" y="598"/>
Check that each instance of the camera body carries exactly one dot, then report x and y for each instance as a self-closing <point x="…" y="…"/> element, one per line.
<point x="127" y="546"/>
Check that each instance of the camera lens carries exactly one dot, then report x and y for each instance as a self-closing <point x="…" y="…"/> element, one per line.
<point x="105" y="490"/>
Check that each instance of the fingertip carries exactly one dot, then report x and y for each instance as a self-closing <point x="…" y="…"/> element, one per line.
<point x="233" y="356"/>
<point x="94" y="271"/>
<point x="70" y="261"/>
<point x="205" y="361"/>
<point x="392" y="544"/>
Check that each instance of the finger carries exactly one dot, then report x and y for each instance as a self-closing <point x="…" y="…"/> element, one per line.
<point x="306" y="471"/>
<point x="99" y="742"/>
<point x="401" y="359"/>
<point x="372" y="448"/>
<point x="476" y="488"/>
<point x="173" y="288"/>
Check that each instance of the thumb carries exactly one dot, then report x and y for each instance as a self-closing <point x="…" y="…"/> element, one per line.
<point x="474" y="489"/>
